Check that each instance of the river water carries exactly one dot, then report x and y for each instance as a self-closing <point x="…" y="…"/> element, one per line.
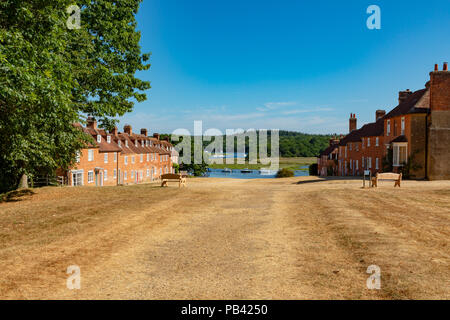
<point x="251" y="174"/>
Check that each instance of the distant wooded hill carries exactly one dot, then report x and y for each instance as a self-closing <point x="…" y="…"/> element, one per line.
<point x="297" y="144"/>
<point x="294" y="144"/>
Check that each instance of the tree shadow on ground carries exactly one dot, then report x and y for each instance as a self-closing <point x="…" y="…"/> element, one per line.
<point x="326" y="179"/>
<point x="16" y="195"/>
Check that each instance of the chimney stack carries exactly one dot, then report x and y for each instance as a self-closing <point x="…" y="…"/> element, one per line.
<point x="445" y="66"/>
<point x="379" y="114"/>
<point x="115" y="132"/>
<point x="144" y="132"/>
<point x="403" y="95"/>
<point x="352" y="122"/>
<point x="91" y="123"/>
<point x="436" y="67"/>
<point x="127" y="129"/>
<point x="156" y="135"/>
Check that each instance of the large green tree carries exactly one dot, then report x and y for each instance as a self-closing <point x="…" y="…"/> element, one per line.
<point x="52" y="76"/>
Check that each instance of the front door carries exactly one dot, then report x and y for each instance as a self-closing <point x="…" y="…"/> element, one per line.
<point x="99" y="178"/>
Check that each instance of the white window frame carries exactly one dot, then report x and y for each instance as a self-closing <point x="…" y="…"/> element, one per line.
<point x="75" y="172"/>
<point x="125" y="160"/>
<point x="396" y="153"/>
<point x="99" y="138"/>
<point x="119" y="143"/>
<point x="108" y="139"/>
<point x="105" y="158"/>
<point x="115" y="173"/>
<point x="91" y="172"/>
<point x="115" y="156"/>
<point x="377" y="163"/>
<point x="132" y="159"/>
<point x="369" y="162"/>
<point x="148" y="157"/>
<point x="125" y="176"/>
<point x="377" y="141"/>
<point x="142" y="157"/>
<point x="105" y="175"/>
<point x="357" y="164"/>
<point x="388" y="128"/>
<point x="148" y="172"/>
<point x="368" y="142"/>
<point x="403" y="126"/>
<point x="90" y="155"/>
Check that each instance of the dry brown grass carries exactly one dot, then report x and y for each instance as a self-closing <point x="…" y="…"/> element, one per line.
<point x="229" y="239"/>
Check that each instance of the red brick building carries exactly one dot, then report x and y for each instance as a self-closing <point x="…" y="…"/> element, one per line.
<point x="120" y="158"/>
<point x="413" y="138"/>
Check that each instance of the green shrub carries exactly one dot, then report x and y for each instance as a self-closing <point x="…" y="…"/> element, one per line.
<point x="285" y="173"/>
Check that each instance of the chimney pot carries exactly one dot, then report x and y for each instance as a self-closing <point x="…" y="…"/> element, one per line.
<point x="156" y="135"/>
<point x="352" y="122"/>
<point x="144" y="132"/>
<point x="127" y="129"/>
<point x="445" y="66"/>
<point x="379" y="114"/>
<point x="403" y="95"/>
<point x="436" y="67"/>
<point x="91" y="123"/>
<point x="115" y="131"/>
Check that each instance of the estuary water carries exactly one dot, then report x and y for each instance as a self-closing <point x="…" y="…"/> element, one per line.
<point x="250" y="174"/>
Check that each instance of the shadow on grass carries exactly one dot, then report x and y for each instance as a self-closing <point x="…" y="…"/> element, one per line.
<point x="326" y="179"/>
<point x="16" y="195"/>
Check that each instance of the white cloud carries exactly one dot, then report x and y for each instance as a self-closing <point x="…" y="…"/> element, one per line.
<point x="275" y="105"/>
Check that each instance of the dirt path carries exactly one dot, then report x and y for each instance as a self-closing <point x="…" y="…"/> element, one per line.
<point x="253" y="239"/>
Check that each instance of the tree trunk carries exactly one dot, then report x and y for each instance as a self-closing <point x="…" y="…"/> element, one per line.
<point x="23" y="183"/>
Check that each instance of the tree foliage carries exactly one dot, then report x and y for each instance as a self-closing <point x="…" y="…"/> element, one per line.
<point x="51" y="77"/>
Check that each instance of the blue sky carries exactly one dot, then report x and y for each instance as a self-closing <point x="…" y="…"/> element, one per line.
<point x="291" y="65"/>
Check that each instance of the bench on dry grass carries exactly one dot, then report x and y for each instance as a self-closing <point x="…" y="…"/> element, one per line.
<point x="397" y="177"/>
<point x="176" y="177"/>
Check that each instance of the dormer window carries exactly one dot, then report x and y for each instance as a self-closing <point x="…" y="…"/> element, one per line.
<point x="119" y="143"/>
<point x="142" y="143"/>
<point x="108" y="139"/>
<point x="99" y="138"/>
<point x="136" y="143"/>
<point x="126" y="143"/>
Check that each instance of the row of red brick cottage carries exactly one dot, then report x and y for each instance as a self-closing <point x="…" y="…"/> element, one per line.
<point x="120" y="158"/>
<point x="414" y="136"/>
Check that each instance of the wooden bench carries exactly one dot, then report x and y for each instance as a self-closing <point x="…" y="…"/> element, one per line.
<point x="165" y="178"/>
<point x="397" y="177"/>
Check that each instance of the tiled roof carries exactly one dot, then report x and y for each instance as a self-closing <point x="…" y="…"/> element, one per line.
<point x="329" y="150"/>
<point x="373" y="129"/>
<point x="156" y="146"/>
<point x="409" y="105"/>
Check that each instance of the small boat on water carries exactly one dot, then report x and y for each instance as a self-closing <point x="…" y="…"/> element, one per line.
<point x="246" y="170"/>
<point x="227" y="170"/>
<point x="265" y="172"/>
